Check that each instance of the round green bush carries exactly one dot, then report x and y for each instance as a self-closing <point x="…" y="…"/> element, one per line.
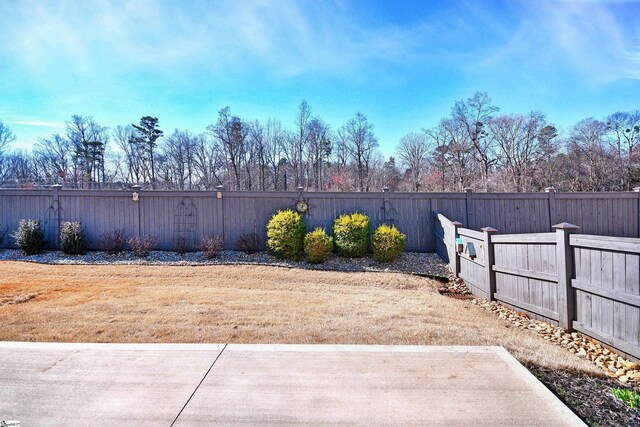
<point x="388" y="242"/>
<point x="285" y="235"/>
<point x="29" y="236"/>
<point x="317" y="246"/>
<point x="73" y="239"/>
<point x="351" y="235"/>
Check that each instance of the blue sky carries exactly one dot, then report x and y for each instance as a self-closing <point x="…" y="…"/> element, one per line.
<point x="403" y="64"/>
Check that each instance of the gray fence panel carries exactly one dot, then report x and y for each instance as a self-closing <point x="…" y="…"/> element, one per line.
<point x="526" y="277"/>
<point x="472" y="269"/>
<point x="607" y="284"/>
<point x="604" y="214"/>
<point x="512" y="213"/>
<point x="27" y="204"/>
<point x="100" y="213"/>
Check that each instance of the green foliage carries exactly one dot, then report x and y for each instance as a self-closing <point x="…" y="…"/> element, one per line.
<point x="388" y="242"/>
<point x="317" y="246"/>
<point x="29" y="236"/>
<point x="351" y="235"/>
<point x="73" y="238"/>
<point x="629" y="397"/>
<point x="285" y="235"/>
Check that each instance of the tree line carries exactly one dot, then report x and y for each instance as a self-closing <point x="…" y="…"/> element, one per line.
<point x="476" y="146"/>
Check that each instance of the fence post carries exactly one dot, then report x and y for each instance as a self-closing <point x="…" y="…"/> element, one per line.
<point x="551" y="191"/>
<point x="637" y="190"/>
<point x="489" y="274"/>
<point x="55" y="203"/>
<point x="135" y="196"/>
<point x="566" y="294"/>
<point x="220" y="197"/>
<point x="469" y="206"/>
<point x="455" y="262"/>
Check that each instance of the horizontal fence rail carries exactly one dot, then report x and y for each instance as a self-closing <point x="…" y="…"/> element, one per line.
<point x="589" y="283"/>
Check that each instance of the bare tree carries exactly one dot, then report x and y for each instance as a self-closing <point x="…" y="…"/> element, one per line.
<point x="521" y="143"/>
<point x="361" y="143"/>
<point x="457" y="152"/>
<point x="319" y="149"/>
<point x="592" y="165"/>
<point x="6" y="137"/>
<point x="302" y="120"/>
<point x="413" y="151"/>
<point x="624" y="137"/>
<point x="473" y="116"/>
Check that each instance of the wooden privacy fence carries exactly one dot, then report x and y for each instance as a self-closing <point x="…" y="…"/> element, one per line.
<point x="584" y="282"/>
<point x="192" y="215"/>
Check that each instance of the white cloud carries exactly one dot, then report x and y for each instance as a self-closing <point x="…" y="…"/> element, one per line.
<point x="285" y="37"/>
<point x="587" y="36"/>
<point x="38" y="123"/>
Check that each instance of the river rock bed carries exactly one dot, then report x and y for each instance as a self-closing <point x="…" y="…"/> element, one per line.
<point x="423" y="264"/>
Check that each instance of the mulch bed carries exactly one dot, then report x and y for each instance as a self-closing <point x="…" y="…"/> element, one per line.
<point x="589" y="397"/>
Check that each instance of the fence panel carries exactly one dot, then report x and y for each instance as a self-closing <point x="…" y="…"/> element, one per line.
<point x="511" y="212"/>
<point x="473" y="264"/>
<point x="27" y="204"/>
<point x="604" y="214"/>
<point x="100" y="213"/>
<point x="526" y="273"/>
<point x="607" y="285"/>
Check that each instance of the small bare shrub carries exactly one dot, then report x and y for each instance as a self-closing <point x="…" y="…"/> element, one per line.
<point x="73" y="238"/>
<point x="114" y="241"/>
<point x="180" y="246"/>
<point x="248" y="243"/>
<point x="141" y="246"/>
<point x="29" y="236"/>
<point x="211" y="246"/>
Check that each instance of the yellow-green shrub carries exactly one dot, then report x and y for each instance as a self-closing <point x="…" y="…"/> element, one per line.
<point x="351" y="235"/>
<point x="285" y="235"/>
<point x="388" y="242"/>
<point x="317" y="246"/>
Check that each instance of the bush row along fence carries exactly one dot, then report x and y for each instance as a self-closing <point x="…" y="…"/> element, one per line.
<point x="581" y="282"/>
<point x="192" y="215"/>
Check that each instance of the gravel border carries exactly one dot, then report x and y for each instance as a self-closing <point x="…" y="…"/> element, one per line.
<point x="416" y="263"/>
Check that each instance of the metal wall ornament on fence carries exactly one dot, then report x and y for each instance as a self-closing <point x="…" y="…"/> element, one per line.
<point x="185" y="221"/>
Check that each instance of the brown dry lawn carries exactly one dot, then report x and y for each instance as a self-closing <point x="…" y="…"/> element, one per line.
<point x="249" y="304"/>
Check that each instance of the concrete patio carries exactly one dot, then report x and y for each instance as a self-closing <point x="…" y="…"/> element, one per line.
<point x="205" y="384"/>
